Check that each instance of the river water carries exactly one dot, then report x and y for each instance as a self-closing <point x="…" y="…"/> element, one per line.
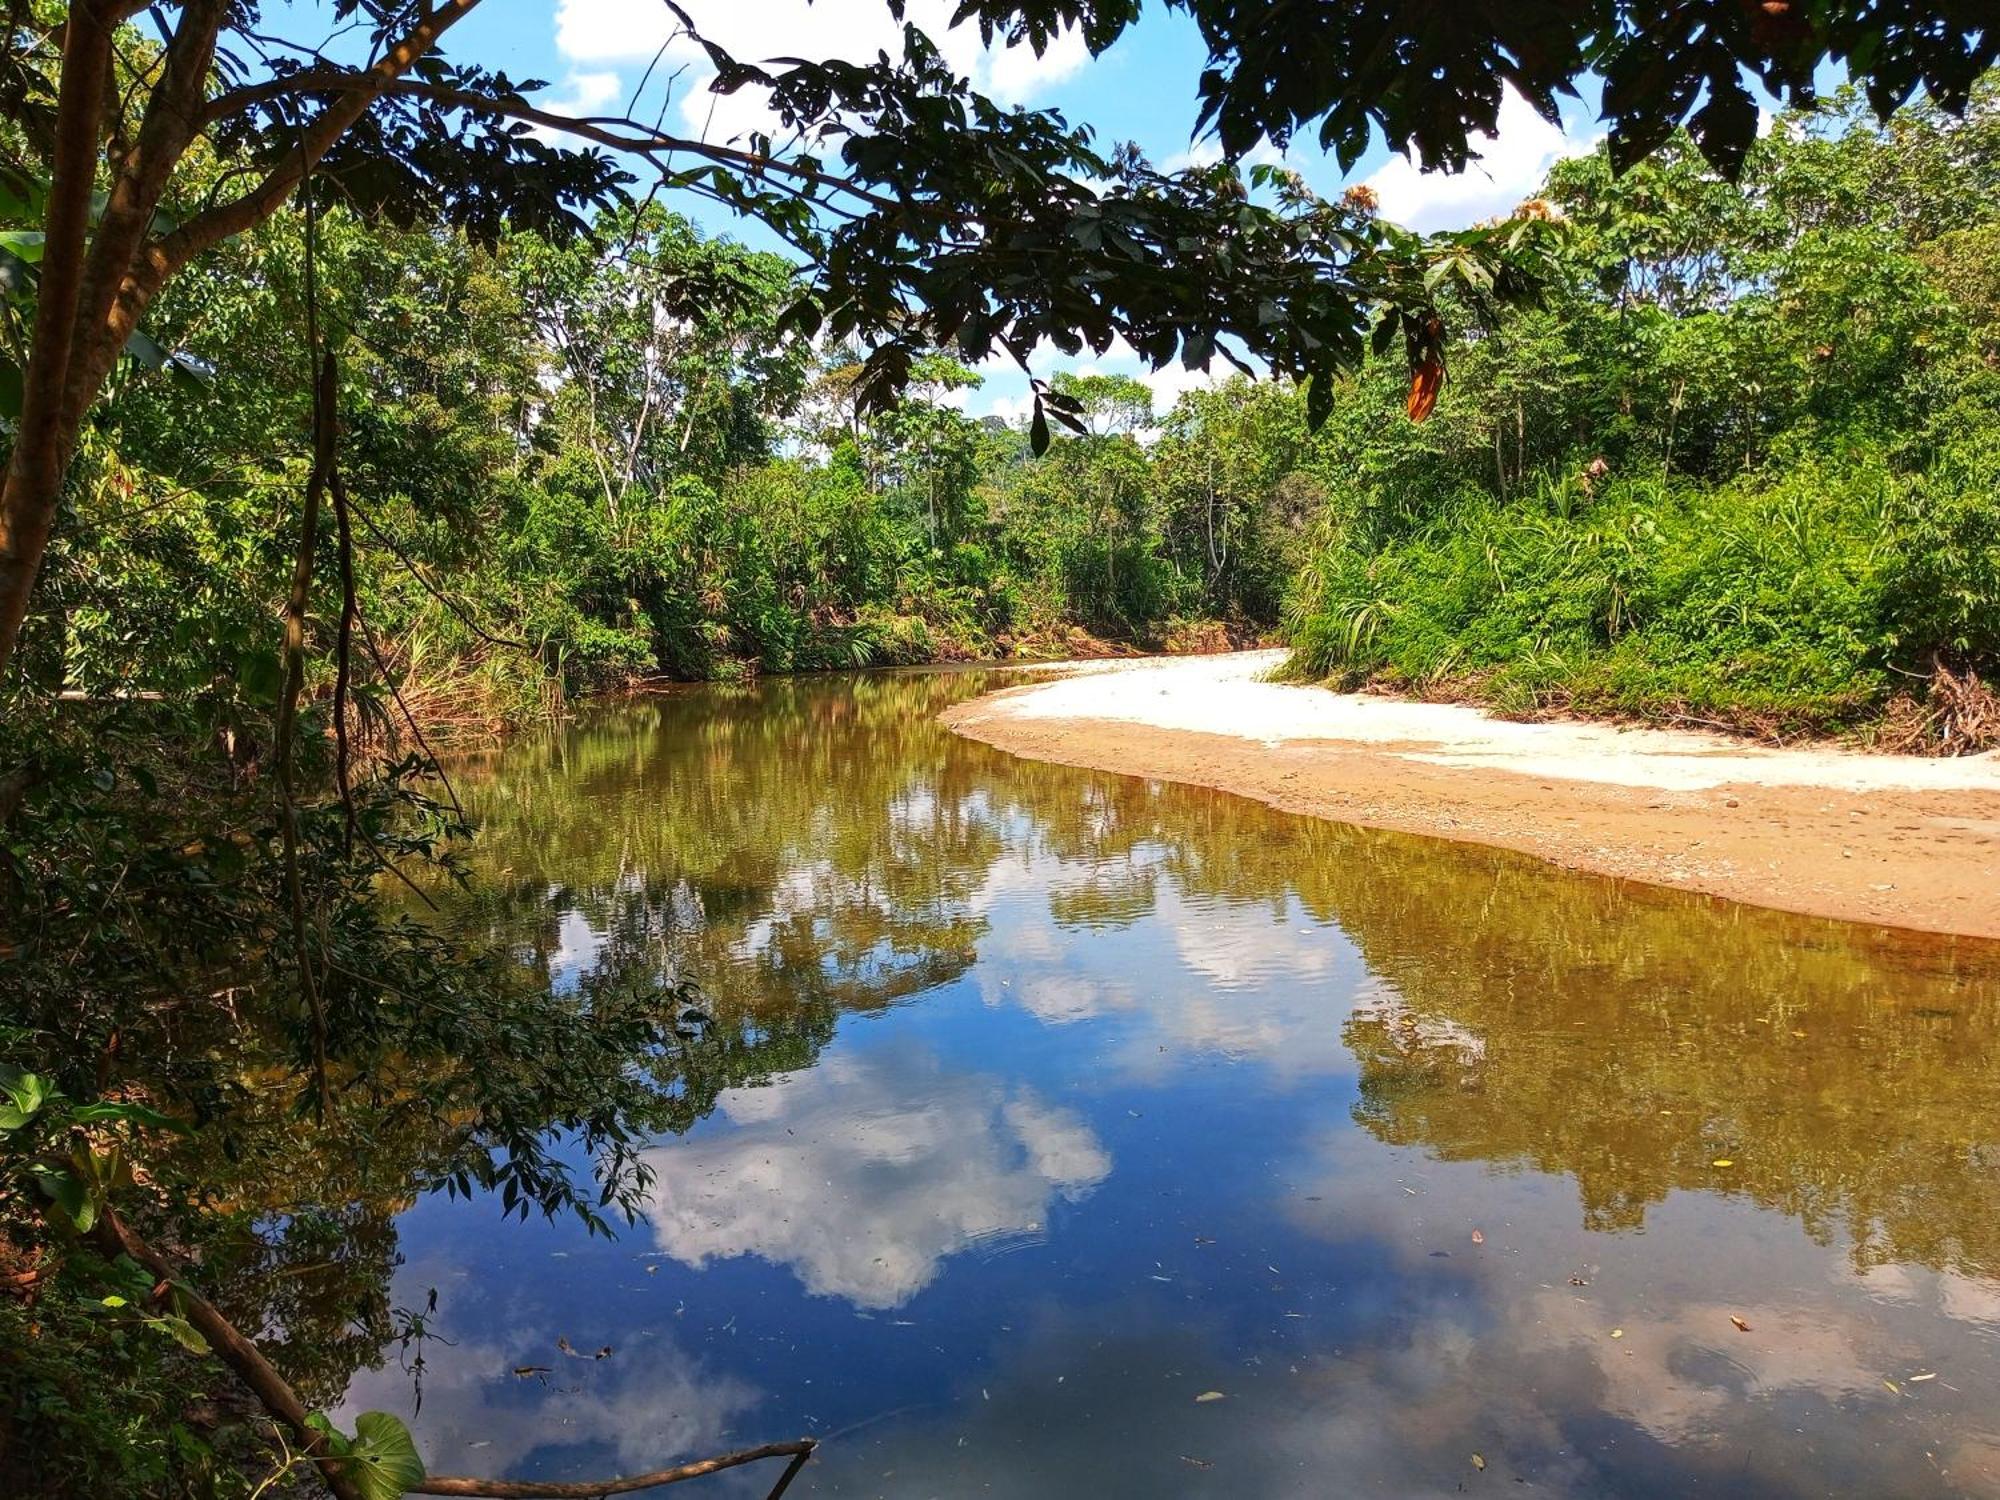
<point x="1068" y="1134"/>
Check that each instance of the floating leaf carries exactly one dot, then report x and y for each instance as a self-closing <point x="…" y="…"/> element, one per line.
<point x="1479" y="1462"/>
<point x="1478" y="1238"/>
<point x="1618" y="1333"/>
<point x="382" y="1459"/>
<point x="1741" y="1326"/>
<point x="1927" y="1375"/>
<point x="1210" y="1396"/>
<point x="1722" y="1161"/>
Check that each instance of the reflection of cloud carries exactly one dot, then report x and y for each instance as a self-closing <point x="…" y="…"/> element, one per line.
<point x="864" y="1173"/>
<point x="1238" y="946"/>
<point x="1251" y="981"/>
<point x="647" y="1405"/>
<point x="1377" y="1002"/>
<point x="1678" y="1376"/>
<point x="1964" y="1299"/>
<point x="577" y="946"/>
<point x="1060" y="998"/>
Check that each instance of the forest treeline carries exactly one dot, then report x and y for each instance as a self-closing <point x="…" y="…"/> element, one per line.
<point x="1740" y="466"/>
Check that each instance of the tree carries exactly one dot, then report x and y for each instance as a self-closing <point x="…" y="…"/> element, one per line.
<point x="945" y="220"/>
<point x="1108" y="405"/>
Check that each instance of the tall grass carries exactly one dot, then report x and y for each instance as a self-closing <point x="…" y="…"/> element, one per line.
<point x="1784" y="604"/>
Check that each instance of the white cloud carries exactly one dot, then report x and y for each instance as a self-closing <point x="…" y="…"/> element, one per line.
<point x="864" y="1173"/>
<point x="583" y="93"/>
<point x="1511" y="166"/>
<point x="633" y="33"/>
<point x="1016" y="75"/>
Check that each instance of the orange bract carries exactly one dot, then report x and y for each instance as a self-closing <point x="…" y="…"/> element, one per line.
<point x="1425" y="383"/>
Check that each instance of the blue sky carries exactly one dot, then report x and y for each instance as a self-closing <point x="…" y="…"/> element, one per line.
<point x="594" y="52"/>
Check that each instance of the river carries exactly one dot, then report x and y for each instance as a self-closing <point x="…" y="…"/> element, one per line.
<point x="1059" y="1133"/>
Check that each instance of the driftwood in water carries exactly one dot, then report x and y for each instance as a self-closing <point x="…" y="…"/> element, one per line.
<point x="799" y="1450"/>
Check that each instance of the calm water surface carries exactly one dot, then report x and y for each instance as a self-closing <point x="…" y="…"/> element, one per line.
<point x="1040" y="1104"/>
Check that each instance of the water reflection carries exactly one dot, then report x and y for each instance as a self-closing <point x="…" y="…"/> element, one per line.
<point x="1036" y="1104"/>
<point x="863" y="1174"/>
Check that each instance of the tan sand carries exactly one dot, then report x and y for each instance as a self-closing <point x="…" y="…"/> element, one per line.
<point x="1903" y="841"/>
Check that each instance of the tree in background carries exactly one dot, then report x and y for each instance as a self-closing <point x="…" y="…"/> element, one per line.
<point x="944" y="220"/>
<point x="1738" y="468"/>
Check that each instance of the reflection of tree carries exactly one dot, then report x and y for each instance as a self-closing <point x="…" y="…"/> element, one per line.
<point x="1630" y="1040"/>
<point x="1631" y="1037"/>
<point x="800" y="844"/>
<point x="805" y="848"/>
<point x="1627" y="1037"/>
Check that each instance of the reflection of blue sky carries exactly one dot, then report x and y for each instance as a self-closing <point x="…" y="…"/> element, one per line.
<point x="648" y="1402"/>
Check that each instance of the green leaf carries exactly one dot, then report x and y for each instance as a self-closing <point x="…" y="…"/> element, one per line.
<point x="24" y="1095"/>
<point x="126" y="1114"/>
<point x="1038" y="430"/>
<point x="383" y="1459"/>
<point x="181" y="1331"/>
<point x="23" y="244"/>
<point x="67" y="1192"/>
<point x="261" y="676"/>
<point x="23" y="197"/>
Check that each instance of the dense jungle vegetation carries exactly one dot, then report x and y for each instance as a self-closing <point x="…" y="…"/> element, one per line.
<point x="1743" y="465"/>
<point x="1739" y="467"/>
<point x="473" y="429"/>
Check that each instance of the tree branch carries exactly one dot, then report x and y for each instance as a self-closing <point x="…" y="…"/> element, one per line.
<point x="615" y="133"/>
<point x="173" y="114"/>
<point x="798" y="1450"/>
<point x="355" y="93"/>
<point x="114" y="1237"/>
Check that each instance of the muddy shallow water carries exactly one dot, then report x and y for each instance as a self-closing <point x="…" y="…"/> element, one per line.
<point x="1060" y="1133"/>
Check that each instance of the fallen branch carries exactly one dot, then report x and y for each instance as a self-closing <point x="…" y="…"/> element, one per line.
<point x="115" y="1237"/>
<point x="799" y="1450"/>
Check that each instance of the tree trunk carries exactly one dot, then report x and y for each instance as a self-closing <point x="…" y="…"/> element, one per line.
<point x="41" y="457"/>
<point x="92" y="296"/>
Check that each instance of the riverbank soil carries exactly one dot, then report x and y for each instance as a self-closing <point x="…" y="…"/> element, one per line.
<point x="1901" y="841"/>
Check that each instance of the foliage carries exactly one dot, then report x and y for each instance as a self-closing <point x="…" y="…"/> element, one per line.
<point x="1740" y="468"/>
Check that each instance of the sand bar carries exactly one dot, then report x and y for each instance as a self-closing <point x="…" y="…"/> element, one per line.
<point x="1904" y="841"/>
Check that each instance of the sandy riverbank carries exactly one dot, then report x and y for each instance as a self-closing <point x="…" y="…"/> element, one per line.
<point x="1898" y="840"/>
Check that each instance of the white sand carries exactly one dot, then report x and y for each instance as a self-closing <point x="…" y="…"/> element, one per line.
<point x="1224" y="695"/>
